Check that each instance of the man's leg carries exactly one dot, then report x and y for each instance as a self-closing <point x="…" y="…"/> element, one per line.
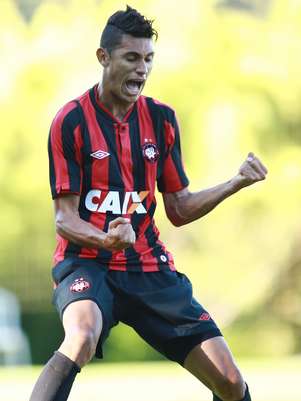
<point x="82" y="321"/>
<point x="212" y="363"/>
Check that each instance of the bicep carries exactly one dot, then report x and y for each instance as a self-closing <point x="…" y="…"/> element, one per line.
<point x="173" y="202"/>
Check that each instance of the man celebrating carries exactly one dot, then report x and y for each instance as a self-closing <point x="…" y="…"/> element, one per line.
<point x="107" y="151"/>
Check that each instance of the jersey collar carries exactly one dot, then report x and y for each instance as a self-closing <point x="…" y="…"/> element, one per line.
<point x="105" y="112"/>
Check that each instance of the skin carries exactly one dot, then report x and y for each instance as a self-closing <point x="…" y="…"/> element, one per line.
<point x="69" y="225"/>
<point x="211" y="361"/>
<point x="132" y="59"/>
<point x="183" y="207"/>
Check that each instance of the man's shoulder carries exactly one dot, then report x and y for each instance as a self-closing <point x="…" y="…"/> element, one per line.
<point x="159" y="107"/>
<point x="69" y="111"/>
<point x="65" y="111"/>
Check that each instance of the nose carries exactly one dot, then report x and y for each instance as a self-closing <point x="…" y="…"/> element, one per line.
<point x="142" y="68"/>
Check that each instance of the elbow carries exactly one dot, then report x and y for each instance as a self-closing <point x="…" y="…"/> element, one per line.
<point x="59" y="228"/>
<point x="176" y="221"/>
<point x="176" y="218"/>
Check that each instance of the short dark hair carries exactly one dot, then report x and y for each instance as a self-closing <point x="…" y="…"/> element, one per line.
<point x="129" y="22"/>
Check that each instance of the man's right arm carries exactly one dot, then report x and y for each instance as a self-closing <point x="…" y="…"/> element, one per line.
<point x="70" y="226"/>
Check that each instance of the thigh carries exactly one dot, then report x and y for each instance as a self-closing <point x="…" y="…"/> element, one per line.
<point x="161" y="308"/>
<point x="83" y="297"/>
<point x="212" y="363"/>
<point x="81" y="315"/>
<point x="82" y="321"/>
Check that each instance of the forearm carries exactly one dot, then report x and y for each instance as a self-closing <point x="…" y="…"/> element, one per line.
<point x="186" y="206"/>
<point x="78" y="231"/>
<point x="183" y="207"/>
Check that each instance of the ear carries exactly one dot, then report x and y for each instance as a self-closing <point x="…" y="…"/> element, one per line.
<point x="103" y="56"/>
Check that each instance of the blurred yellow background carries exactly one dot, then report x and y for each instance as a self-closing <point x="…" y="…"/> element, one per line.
<point x="231" y="70"/>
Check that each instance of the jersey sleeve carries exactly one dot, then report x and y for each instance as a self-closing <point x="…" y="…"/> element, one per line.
<point x="173" y="177"/>
<point x="64" y="151"/>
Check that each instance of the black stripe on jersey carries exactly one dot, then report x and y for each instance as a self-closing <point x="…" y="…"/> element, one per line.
<point x="152" y="238"/>
<point x="52" y="176"/>
<point x="131" y="255"/>
<point x="69" y="124"/>
<point x="138" y="168"/>
<point x="73" y="249"/>
<point x="137" y="156"/>
<point x="157" y="117"/>
<point x="85" y="214"/>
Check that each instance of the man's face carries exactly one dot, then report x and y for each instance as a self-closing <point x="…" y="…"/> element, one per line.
<point x="128" y="67"/>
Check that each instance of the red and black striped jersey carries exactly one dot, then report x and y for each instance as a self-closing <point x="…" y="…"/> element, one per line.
<point x="114" y="167"/>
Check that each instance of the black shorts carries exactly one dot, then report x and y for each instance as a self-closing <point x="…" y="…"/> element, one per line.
<point x="159" y="306"/>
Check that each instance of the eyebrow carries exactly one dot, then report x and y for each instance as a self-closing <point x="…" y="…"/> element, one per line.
<point x="138" y="54"/>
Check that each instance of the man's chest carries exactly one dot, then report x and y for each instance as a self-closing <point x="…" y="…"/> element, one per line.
<point x="121" y="156"/>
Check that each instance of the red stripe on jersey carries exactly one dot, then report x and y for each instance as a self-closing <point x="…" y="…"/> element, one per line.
<point x="60" y="164"/>
<point x="115" y="265"/>
<point x="125" y="155"/>
<point x="100" y="168"/>
<point x="59" y="253"/>
<point x="170" y="135"/>
<point x="169" y="126"/>
<point x="174" y="183"/>
<point x="148" y="261"/>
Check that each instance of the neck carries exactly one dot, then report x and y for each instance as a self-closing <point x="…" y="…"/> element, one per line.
<point x="117" y="107"/>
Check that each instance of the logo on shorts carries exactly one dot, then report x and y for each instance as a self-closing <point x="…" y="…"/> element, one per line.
<point x="150" y="152"/>
<point x="205" y="316"/>
<point x="80" y="285"/>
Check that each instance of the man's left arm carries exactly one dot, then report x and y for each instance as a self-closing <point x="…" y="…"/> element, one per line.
<point x="183" y="207"/>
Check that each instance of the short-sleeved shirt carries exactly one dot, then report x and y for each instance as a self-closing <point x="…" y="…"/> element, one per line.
<point x="114" y="166"/>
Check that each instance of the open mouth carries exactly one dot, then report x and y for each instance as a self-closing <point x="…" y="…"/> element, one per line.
<point x="134" y="86"/>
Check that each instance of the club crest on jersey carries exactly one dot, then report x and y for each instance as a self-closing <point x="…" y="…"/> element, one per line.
<point x="150" y="152"/>
<point x="111" y="202"/>
<point x="80" y="285"/>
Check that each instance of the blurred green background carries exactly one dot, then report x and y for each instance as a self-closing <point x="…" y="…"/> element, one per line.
<point x="231" y="69"/>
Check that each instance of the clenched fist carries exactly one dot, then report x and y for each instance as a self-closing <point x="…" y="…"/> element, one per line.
<point x="251" y="171"/>
<point x="120" y="235"/>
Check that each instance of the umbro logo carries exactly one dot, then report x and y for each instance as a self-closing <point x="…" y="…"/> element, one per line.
<point x="100" y="154"/>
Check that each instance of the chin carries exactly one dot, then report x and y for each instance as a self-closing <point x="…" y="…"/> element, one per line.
<point x="124" y="97"/>
<point x="131" y="99"/>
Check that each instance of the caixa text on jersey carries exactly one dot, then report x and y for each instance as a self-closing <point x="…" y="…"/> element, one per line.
<point x="103" y="202"/>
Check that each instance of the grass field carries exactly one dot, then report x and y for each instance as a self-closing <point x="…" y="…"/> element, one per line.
<point x="274" y="380"/>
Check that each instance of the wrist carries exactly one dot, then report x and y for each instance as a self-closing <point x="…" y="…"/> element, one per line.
<point x="103" y="240"/>
<point x="236" y="183"/>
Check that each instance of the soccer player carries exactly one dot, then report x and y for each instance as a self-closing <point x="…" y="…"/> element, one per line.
<point x="108" y="149"/>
